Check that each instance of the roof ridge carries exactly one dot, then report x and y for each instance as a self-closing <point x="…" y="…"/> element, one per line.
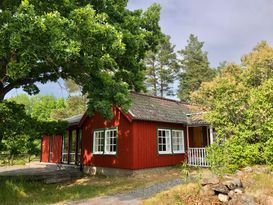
<point x="158" y="97"/>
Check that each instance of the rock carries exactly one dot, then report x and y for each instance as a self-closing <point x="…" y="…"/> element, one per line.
<point x="212" y="180"/>
<point x="242" y="199"/>
<point x="220" y="188"/>
<point x="231" y="194"/>
<point x="207" y="191"/>
<point x="262" y="170"/>
<point x="223" y="198"/>
<point x="248" y="169"/>
<point x="233" y="184"/>
<point x="238" y="191"/>
<point x="240" y="173"/>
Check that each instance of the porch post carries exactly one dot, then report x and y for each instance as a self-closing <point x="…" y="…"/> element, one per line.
<point x="77" y="146"/>
<point x="69" y="146"/>
<point x="211" y="134"/>
<point x="188" y="141"/>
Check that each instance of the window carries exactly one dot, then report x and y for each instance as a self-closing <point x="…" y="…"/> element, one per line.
<point x="110" y="141"/>
<point x="170" y="141"/>
<point x="164" y="141"/>
<point x="105" y="141"/>
<point x="98" y="142"/>
<point x="178" y="141"/>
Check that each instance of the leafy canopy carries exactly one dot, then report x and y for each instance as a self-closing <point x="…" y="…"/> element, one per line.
<point x="239" y="103"/>
<point x="97" y="43"/>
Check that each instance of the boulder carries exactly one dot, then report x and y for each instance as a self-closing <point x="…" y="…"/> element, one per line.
<point x="239" y="173"/>
<point x="248" y="169"/>
<point x="207" y="191"/>
<point x="242" y="199"/>
<point x="231" y="194"/>
<point x="238" y="191"/>
<point x="223" y="198"/>
<point x="210" y="180"/>
<point x="233" y="184"/>
<point x="220" y="188"/>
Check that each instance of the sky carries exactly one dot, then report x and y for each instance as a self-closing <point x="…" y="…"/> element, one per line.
<point x="229" y="28"/>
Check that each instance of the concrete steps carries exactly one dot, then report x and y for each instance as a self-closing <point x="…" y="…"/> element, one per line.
<point x="47" y="173"/>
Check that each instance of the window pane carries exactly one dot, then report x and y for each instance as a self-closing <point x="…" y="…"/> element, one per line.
<point x="164" y="141"/>
<point x="111" y="141"/>
<point x="178" y="141"/>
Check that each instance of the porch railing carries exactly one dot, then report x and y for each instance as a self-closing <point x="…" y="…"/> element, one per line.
<point x="197" y="157"/>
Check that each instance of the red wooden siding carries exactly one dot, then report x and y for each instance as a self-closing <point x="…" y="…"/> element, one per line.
<point x="123" y="158"/>
<point x="57" y="149"/>
<point x="145" y="145"/>
<point x="45" y="148"/>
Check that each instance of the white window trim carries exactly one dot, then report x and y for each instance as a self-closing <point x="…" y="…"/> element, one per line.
<point x="170" y="141"/>
<point x="94" y="145"/>
<point x="105" y="140"/>
<point x="183" y="142"/>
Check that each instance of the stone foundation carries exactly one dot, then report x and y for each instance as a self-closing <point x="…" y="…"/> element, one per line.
<point x="106" y="171"/>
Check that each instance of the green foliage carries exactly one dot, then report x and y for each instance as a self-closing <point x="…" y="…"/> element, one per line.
<point x="85" y="41"/>
<point x="234" y="153"/>
<point x="239" y="104"/>
<point x="161" y="68"/>
<point x="195" y="68"/>
<point x="268" y="152"/>
<point x="19" y="131"/>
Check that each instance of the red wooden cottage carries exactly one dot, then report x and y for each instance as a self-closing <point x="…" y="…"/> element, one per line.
<point x="156" y="132"/>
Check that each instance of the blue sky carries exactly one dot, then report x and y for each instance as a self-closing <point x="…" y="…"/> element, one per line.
<point x="229" y="29"/>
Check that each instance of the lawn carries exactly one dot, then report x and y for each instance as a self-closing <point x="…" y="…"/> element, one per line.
<point x="21" y="192"/>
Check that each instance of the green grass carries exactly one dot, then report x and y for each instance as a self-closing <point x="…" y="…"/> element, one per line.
<point x="22" y="192"/>
<point x="18" y="160"/>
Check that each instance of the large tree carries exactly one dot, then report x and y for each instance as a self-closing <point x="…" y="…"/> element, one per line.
<point x="161" y="68"/>
<point x="239" y="104"/>
<point x="97" y="43"/>
<point x="195" y="68"/>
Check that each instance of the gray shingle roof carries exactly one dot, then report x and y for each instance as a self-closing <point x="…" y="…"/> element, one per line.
<point x="74" y="120"/>
<point x="151" y="108"/>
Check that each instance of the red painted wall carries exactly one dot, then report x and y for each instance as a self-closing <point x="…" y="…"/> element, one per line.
<point x="145" y="154"/>
<point x="123" y="158"/>
<point x="45" y="148"/>
<point x="57" y="149"/>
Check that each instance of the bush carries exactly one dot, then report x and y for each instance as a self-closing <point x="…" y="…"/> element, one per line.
<point x="234" y="154"/>
<point x="268" y="152"/>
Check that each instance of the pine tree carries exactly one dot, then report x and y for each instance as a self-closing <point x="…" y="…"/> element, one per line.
<point x="161" y="68"/>
<point x="195" y="68"/>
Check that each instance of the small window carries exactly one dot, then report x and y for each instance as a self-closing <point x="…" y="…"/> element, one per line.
<point x="178" y="141"/>
<point x="110" y="141"/>
<point x="164" y="141"/>
<point x="98" y="142"/>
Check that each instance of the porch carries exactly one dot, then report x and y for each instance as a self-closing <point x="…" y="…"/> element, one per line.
<point x="198" y="138"/>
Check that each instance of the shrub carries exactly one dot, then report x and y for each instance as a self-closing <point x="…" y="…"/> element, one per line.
<point x="268" y="152"/>
<point x="233" y="154"/>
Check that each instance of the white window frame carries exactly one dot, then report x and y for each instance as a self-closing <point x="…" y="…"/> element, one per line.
<point x="94" y="141"/>
<point x="108" y="141"/>
<point x="168" y="141"/>
<point x="180" y="142"/>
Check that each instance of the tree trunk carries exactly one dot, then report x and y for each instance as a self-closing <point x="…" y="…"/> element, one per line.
<point x="161" y="89"/>
<point x="29" y="158"/>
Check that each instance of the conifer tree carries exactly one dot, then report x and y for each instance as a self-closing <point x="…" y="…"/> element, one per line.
<point x="195" y="68"/>
<point x="161" y="68"/>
